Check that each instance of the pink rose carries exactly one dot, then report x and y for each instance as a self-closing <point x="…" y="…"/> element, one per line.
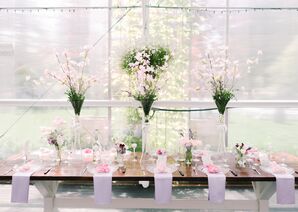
<point x="102" y="168"/>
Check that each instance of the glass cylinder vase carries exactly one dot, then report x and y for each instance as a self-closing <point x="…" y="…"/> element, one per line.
<point x="222" y="130"/>
<point x="76" y="142"/>
<point x="241" y="161"/>
<point x="161" y="163"/>
<point x="58" y="154"/>
<point x="145" y="135"/>
<point x="188" y="156"/>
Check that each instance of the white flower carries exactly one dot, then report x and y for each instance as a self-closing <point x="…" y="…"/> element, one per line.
<point x="260" y="52"/>
<point x="28" y="77"/>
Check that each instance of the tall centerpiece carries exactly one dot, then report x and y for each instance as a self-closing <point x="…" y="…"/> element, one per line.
<point x="73" y="76"/>
<point x="221" y="73"/>
<point x="54" y="135"/>
<point x="145" y="67"/>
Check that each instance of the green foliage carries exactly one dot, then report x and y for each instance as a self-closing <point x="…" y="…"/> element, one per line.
<point x="221" y="97"/>
<point x="76" y="100"/>
<point x="130" y="139"/>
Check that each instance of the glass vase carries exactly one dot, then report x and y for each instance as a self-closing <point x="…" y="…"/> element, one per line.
<point x="222" y="130"/>
<point x="120" y="159"/>
<point x="146" y="106"/>
<point x="76" y="142"/>
<point x="240" y="161"/>
<point x="161" y="162"/>
<point x="188" y="156"/>
<point x="145" y="134"/>
<point x="58" y="154"/>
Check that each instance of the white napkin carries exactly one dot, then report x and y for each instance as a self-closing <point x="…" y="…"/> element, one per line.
<point x="102" y="188"/>
<point x="217" y="186"/>
<point x="20" y="186"/>
<point x="163" y="187"/>
<point x="285" y="188"/>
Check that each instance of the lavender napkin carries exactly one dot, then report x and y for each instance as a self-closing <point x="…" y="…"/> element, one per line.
<point x="163" y="187"/>
<point x="217" y="185"/>
<point x="285" y="188"/>
<point x="20" y="186"/>
<point x="102" y="188"/>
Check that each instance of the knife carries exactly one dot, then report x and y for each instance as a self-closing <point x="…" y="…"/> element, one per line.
<point x="234" y="173"/>
<point x="47" y="171"/>
<point x="181" y="173"/>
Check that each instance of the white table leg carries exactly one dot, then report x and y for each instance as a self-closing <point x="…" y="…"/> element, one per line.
<point x="264" y="191"/>
<point x="48" y="190"/>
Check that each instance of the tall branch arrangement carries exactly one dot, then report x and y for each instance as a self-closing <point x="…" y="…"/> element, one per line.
<point x="221" y="73"/>
<point x="72" y="75"/>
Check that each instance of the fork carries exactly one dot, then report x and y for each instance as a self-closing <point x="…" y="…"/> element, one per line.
<point x="255" y="169"/>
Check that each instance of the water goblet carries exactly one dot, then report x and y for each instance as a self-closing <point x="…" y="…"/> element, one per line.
<point x="134" y="146"/>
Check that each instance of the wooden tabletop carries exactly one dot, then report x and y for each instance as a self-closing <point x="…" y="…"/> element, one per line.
<point x="75" y="172"/>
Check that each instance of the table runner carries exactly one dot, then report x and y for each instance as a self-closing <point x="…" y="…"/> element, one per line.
<point x="216" y="186"/>
<point x="102" y="188"/>
<point x="285" y="188"/>
<point x="163" y="187"/>
<point x="20" y="186"/>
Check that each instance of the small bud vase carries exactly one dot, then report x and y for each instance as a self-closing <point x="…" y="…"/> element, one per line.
<point x="188" y="156"/>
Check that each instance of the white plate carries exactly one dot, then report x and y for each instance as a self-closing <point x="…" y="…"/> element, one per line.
<point x="26" y="168"/>
<point x="170" y="168"/>
<point x="91" y="168"/>
<point x="221" y="170"/>
<point x="269" y="170"/>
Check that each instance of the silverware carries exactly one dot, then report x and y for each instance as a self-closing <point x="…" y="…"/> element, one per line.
<point x="8" y="171"/>
<point x="47" y="171"/>
<point x="195" y="170"/>
<point x="181" y="172"/>
<point x="233" y="173"/>
<point x="84" y="170"/>
<point x="254" y="168"/>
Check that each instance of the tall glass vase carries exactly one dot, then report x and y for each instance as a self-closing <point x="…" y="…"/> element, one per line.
<point x="76" y="142"/>
<point x="145" y="134"/>
<point x="222" y="130"/>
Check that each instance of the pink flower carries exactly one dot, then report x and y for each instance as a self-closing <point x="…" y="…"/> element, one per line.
<point x="212" y="168"/>
<point x="161" y="152"/>
<point x="102" y="168"/>
<point x="88" y="151"/>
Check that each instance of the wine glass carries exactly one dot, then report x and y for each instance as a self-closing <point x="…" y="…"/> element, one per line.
<point x="134" y="146"/>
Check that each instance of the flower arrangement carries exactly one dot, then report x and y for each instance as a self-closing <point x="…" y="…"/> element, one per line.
<point x="145" y="67"/>
<point x="161" y="152"/>
<point x="120" y="148"/>
<point x="188" y="142"/>
<point x="241" y="154"/>
<point x="221" y="73"/>
<point x="72" y="75"/>
<point x="54" y="135"/>
<point x="211" y="168"/>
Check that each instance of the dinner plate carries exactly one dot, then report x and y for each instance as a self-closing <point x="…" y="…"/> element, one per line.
<point x="221" y="170"/>
<point x="91" y="168"/>
<point x="268" y="169"/>
<point x="26" y="168"/>
<point x="170" y="168"/>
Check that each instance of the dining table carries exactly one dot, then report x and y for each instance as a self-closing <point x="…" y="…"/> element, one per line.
<point x="48" y="178"/>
